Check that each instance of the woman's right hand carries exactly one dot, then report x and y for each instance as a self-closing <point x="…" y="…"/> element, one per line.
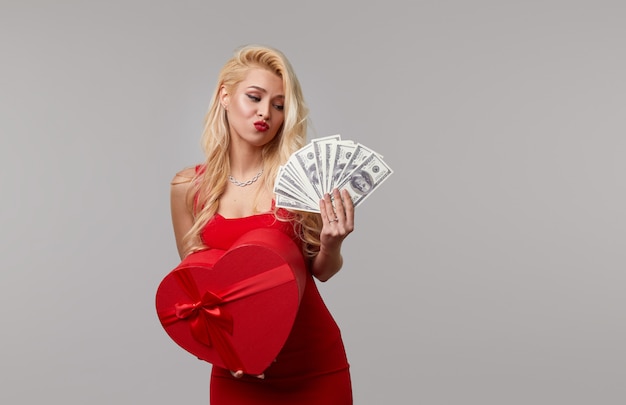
<point x="240" y="373"/>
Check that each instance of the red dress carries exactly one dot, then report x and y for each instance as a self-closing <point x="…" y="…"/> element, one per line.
<point x="312" y="368"/>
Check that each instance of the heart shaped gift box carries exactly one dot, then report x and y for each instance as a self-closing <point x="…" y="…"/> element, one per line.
<point x="235" y="308"/>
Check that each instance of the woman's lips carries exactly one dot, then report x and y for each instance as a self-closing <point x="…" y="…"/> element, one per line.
<point x="261" y="126"/>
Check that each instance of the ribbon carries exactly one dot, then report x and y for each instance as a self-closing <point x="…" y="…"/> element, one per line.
<point x="209" y="323"/>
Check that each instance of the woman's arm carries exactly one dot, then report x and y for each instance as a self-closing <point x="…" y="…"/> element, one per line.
<point x="182" y="218"/>
<point x="337" y="224"/>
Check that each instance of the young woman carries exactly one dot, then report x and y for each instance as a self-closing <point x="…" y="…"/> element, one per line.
<point x="256" y="120"/>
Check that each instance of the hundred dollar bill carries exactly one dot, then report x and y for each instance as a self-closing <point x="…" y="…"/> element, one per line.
<point x="292" y="204"/>
<point x="306" y="162"/>
<point x="323" y="148"/>
<point x="328" y="158"/>
<point x="288" y="186"/>
<point x="358" y="156"/>
<point x="365" y="178"/>
<point x="301" y="179"/>
<point x="341" y="156"/>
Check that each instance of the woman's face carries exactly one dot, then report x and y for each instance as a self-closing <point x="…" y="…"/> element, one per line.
<point x="255" y="108"/>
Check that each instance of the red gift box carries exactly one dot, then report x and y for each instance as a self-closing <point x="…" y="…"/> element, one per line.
<point x="235" y="308"/>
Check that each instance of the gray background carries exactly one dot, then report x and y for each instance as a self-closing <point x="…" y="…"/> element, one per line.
<point x="489" y="269"/>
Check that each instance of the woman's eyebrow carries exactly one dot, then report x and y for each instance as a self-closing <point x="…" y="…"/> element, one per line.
<point x="261" y="89"/>
<point x="258" y="88"/>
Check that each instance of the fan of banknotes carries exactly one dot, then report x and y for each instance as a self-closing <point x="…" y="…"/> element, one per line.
<point x="325" y="164"/>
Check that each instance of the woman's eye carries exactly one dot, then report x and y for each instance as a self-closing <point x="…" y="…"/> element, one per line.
<point x="279" y="107"/>
<point x="253" y="98"/>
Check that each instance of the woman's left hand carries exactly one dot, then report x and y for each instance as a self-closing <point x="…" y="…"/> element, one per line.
<point x="337" y="219"/>
<point x="337" y="213"/>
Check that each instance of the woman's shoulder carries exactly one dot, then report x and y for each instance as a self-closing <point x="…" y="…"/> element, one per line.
<point x="186" y="175"/>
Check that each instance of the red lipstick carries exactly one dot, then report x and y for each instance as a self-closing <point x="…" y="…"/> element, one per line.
<point x="261" y="126"/>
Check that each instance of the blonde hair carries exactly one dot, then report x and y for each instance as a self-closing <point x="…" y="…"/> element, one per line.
<point x="210" y="182"/>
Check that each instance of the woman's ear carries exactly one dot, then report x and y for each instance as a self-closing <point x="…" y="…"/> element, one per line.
<point x="224" y="97"/>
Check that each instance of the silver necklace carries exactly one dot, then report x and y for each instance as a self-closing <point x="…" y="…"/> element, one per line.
<point x="245" y="183"/>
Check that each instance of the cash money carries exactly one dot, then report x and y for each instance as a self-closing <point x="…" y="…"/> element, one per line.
<point x="325" y="164"/>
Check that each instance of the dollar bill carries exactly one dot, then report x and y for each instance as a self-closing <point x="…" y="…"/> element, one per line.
<point x="366" y="178"/>
<point x="323" y="147"/>
<point x="289" y="203"/>
<point x="305" y="160"/>
<point x="289" y="186"/>
<point x="341" y="157"/>
<point x="358" y="156"/>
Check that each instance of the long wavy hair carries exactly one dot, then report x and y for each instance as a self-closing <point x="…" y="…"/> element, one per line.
<point x="209" y="183"/>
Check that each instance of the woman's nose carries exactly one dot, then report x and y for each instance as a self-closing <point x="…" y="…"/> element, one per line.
<point x="263" y="111"/>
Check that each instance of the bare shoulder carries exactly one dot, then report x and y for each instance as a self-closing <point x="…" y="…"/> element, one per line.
<point x="179" y="188"/>
<point x="181" y="206"/>
<point x="184" y="176"/>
